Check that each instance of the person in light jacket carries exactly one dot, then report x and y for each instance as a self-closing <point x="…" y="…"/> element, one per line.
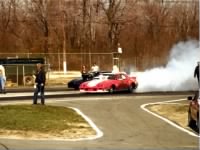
<point x="2" y="79"/>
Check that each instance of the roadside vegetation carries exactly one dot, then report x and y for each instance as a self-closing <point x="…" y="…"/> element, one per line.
<point x="50" y="120"/>
<point x="177" y="113"/>
<point x="146" y="30"/>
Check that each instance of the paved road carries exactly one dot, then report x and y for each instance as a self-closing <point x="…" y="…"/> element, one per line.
<point x="124" y="124"/>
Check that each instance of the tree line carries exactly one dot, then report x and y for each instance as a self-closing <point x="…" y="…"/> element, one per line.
<point x="145" y="29"/>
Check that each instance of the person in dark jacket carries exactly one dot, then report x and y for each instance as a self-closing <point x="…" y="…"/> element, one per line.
<point x="39" y="84"/>
<point x="196" y="71"/>
<point x="84" y="73"/>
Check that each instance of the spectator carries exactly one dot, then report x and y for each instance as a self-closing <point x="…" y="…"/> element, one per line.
<point x="115" y="69"/>
<point x="39" y="84"/>
<point x="84" y="73"/>
<point x="196" y="72"/>
<point x="95" y="69"/>
<point x="2" y="79"/>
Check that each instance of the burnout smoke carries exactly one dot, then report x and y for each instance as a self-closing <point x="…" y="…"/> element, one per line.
<point x="177" y="75"/>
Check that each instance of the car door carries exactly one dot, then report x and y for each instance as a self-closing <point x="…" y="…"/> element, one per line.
<point x="125" y="81"/>
<point x="122" y="82"/>
<point x="118" y="82"/>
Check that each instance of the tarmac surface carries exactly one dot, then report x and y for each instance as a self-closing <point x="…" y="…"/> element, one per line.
<point x="24" y="93"/>
<point x="119" y="116"/>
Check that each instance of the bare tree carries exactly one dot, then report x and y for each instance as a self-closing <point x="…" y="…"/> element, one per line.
<point x="145" y="29"/>
<point x="39" y="13"/>
<point x="5" y="18"/>
<point x="114" y="11"/>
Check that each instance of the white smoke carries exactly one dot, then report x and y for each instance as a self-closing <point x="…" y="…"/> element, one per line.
<point x="177" y="75"/>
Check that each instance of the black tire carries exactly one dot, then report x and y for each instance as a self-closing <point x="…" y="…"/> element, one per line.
<point x="28" y="80"/>
<point x="112" y="89"/>
<point x="130" y="88"/>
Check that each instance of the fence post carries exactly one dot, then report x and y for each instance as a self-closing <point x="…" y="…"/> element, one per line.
<point x="17" y="76"/>
<point x="23" y="72"/>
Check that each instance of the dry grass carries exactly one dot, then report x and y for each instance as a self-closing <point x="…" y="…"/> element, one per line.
<point x="37" y="121"/>
<point x="176" y="113"/>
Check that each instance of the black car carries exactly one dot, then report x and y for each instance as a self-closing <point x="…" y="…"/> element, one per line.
<point x="75" y="83"/>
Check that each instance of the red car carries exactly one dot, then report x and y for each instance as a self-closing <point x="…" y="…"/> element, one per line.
<point x="110" y="82"/>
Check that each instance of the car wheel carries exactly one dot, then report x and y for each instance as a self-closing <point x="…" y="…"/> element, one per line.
<point x="112" y="89"/>
<point x="130" y="89"/>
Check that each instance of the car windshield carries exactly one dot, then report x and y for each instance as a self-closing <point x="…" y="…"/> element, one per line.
<point x="111" y="76"/>
<point x="105" y="77"/>
<point x="100" y="77"/>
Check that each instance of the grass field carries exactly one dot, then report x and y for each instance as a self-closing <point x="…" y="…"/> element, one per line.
<point x="177" y="113"/>
<point x="41" y="119"/>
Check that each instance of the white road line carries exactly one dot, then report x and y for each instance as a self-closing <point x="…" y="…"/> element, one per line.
<point x="91" y="123"/>
<point x="166" y="120"/>
<point x="99" y="133"/>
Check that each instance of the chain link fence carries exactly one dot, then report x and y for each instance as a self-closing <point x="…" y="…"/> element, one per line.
<point x="74" y="60"/>
<point x="22" y="74"/>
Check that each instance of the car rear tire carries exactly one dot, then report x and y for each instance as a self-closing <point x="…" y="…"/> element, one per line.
<point x="130" y="88"/>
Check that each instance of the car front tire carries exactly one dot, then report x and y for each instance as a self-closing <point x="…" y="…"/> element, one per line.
<point x="112" y="89"/>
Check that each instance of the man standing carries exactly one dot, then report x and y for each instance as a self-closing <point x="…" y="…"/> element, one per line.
<point x="196" y="72"/>
<point x="39" y="84"/>
<point x="84" y="73"/>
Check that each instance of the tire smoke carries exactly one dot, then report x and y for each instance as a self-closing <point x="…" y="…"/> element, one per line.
<point x="177" y="75"/>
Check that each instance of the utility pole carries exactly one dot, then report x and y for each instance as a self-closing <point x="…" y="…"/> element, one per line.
<point x="64" y="45"/>
<point x="63" y="16"/>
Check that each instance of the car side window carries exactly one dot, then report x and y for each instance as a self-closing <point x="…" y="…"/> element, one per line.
<point x="112" y="77"/>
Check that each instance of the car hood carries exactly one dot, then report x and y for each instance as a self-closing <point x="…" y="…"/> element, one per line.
<point x="93" y="83"/>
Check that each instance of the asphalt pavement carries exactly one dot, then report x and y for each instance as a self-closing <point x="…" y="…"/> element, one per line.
<point x="123" y="123"/>
<point x="22" y="93"/>
<point x="119" y="116"/>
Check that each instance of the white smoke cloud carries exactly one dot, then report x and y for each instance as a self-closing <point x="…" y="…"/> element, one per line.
<point x="177" y="75"/>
